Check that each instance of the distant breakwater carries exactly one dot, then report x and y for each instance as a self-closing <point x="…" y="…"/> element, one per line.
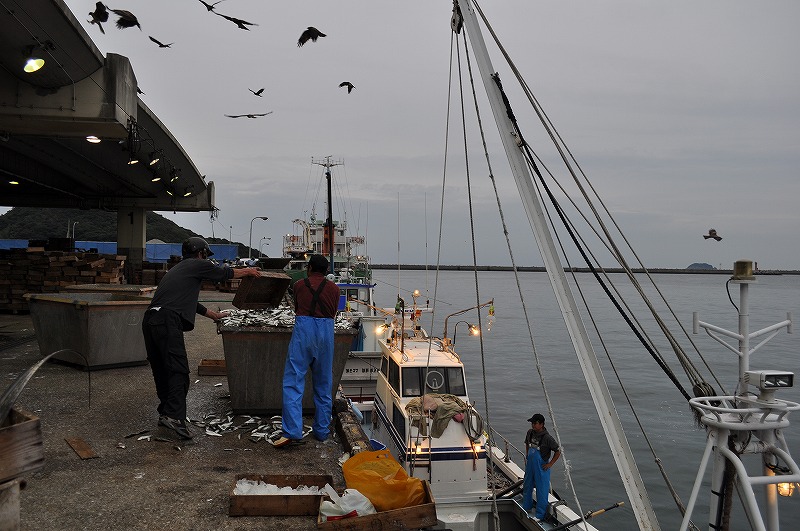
<point x="422" y="267"/>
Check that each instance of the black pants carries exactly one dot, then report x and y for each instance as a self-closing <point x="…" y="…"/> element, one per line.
<point x="166" y="352"/>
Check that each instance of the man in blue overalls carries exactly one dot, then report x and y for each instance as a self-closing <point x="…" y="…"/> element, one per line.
<point x="538" y="446"/>
<point x="316" y="300"/>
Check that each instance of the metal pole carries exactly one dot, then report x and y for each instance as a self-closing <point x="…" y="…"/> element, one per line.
<point x="329" y="222"/>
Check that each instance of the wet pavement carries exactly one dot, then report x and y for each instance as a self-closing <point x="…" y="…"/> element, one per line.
<point x="141" y="484"/>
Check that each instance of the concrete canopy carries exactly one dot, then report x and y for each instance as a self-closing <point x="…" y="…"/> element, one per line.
<point x="46" y="116"/>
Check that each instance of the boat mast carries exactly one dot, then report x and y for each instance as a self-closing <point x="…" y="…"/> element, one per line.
<point x="620" y="449"/>
<point x="328" y="239"/>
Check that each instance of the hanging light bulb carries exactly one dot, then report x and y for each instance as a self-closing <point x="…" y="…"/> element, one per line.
<point x="93" y="139"/>
<point x="786" y="489"/>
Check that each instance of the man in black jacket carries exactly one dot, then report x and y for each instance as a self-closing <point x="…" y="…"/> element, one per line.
<point x="170" y="314"/>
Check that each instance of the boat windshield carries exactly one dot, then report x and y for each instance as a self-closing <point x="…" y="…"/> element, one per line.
<point x="443" y="380"/>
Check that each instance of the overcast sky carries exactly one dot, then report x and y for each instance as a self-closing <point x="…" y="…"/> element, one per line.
<point x="685" y="115"/>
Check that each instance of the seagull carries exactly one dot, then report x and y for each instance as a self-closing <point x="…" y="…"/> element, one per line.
<point x="257" y="92"/>
<point x="310" y="33"/>
<point x="210" y="7"/>
<point x="126" y="19"/>
<point x="712" y="233"/>
<point x="100" y="14"/>
<point x="239" y="22"/>
<point x="161" y="44"/>
<point x="347" y="84"/>
<point x="247" y="115"/>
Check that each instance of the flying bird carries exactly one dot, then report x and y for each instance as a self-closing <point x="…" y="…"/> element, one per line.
<point x="100" y="14"/>
<point x="247" y="115"/>
<point x="347" y="84"/>
<point x="257" y="92"/>
<point x="310" y="33"/>
<point x="239" y="22"/>
<point x="210" y="7"/>
<point x="160" y="44"/>
<point x="712" y="233"/>
<point x="126" y="19"/>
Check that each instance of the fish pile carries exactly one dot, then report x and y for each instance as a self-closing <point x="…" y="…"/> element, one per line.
<point x="282" y="316"/>
<point x="256" y="428"/>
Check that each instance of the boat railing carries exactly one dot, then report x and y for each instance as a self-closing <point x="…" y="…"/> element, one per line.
<point x="717" y="412"/>
<point x="507" y="447"/>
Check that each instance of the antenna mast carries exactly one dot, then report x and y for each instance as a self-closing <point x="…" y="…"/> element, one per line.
<point x="328" y="239"/>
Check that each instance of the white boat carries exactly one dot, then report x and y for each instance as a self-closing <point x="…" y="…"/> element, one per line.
<point x="451" y="452"/>
<point x="749" y="425"/>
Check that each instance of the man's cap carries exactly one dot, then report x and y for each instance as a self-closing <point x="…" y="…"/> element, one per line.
<point x="537" y="417"/>
<point x="194" y="245"/>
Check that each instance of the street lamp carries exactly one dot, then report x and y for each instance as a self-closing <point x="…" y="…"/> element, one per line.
<point x="73" y="230"/>
<point x="260" y="245"/>
<point x="250" y="243"/>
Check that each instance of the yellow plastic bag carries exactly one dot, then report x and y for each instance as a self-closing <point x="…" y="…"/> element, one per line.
<point x="378" y="476"/>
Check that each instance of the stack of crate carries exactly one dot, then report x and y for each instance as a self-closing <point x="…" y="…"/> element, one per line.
<point x="34" y="270"/>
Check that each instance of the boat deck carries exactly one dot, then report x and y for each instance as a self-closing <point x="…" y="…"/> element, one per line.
<point x="145" y="484"/>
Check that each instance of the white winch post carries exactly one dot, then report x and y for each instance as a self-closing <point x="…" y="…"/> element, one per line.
<point x="640" y="502"/>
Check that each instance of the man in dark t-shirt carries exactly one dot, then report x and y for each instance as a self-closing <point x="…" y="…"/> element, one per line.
<point x="316" y="300"/>
<point x="542" y="451"/>
<point x="170" y="314"/>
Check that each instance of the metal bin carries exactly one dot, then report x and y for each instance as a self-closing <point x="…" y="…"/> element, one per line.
<point x="255" y="358"/>
<point x="140" y="290"/>
<point x="105" y="328"/>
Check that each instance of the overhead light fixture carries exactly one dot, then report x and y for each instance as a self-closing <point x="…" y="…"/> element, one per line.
<point x="174" y="174"/>
<point x="169" y="192"/>
<point x="33" y="59"/>
<point x="155" y="178"/>
<point x="13" y="182"/>
<point x="133" y="160"/>
<point x="154" y="157"/>
<point x="93" y="139"/>
<point x="187" y="193"/>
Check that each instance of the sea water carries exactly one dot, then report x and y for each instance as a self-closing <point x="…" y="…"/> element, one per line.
<point x="504" y="374"/>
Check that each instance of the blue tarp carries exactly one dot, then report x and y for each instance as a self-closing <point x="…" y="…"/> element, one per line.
<point x="154" y="252"/>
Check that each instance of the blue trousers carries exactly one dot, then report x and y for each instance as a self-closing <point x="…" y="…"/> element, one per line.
<point x="311" y="347"/>
<point x="536" y="476"/>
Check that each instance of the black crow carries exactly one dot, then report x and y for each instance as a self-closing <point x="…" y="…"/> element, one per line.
<point x="257" y="92"/>
<point x="210" y="7"/>
<point x="126" y="19"/>
<point x="161" y="44"/>
<point x="310" y="33"/>
<point x="347" y="84"/>
<point x="239" y="22"/>
<point x="247" y="115"/>
<point x="712" y="234"/>
<point x="100" y="14"/>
